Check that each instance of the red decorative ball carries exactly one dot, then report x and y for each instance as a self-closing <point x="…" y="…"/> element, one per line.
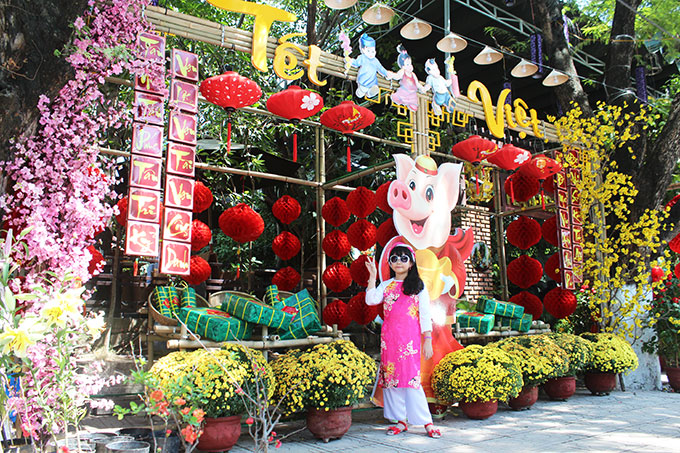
<point x="658" y="274"/>
<point x="359" y="311"/>
<point x="559" y="302"/>
<point x="199" y="271"/>
<point x="337" y="277"/>
<point x="549" y="186"/>
<point x="286" y="209"/>
<point x="525" y="271"/>
<point x="675" y="244"/>
<point x="286" y="279"/>
<point x="337" y="313"/>
<point x="381" y="197"/>
<point x="676" y="271"/>
<point x="200" y="235"/>
<point x="336" y="245"/>
<point x="241" y="223"/>
<point x="97" y="262"/>
<point x="552" y="268"/>
<point x="524" y="187"/>
<point x="335" y="211"/>
<point x="386" y="231"/>
<point x="361" y="201"/>
<point x="549" y="229"/>
<point x="532" y="304"/>
<point x="362" y="234"/>
<point x="203" y="197"/>
<point x="523" y="232"/>
<point x="358" y="270"/>
<point x="286" y="245"/>
<point x="121" y="217"/>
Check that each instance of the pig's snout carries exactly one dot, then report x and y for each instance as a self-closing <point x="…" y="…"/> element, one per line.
<point x="398" y="196"/>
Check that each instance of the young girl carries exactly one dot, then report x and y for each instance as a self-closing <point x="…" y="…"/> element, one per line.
<point x="407" y="316"/>
<point x="407" y="93"/>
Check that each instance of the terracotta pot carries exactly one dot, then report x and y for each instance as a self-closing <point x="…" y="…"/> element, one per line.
<point x="478" y="410"/>
<point x="220" y="434"/>
<point x="561" y="388"/>
<point x="600" y="383"/>
<point x="330" y="424"/>
<point x="526" y="398"/>
<point x="673" y="374"/>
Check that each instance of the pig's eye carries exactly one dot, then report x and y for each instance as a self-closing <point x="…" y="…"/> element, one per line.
<point x="429" y="193"/>
<point x="412" y="185"/>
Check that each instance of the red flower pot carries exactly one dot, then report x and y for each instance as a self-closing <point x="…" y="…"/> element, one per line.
<point x="220" y="434"/>
<point x="561" y="388"/>
<point x="526" y="398"/>
<point x="600" y="383"/>
<point x="478" y="410"/>
<point x="673" y="375"/>
<point x="330" y="424"/>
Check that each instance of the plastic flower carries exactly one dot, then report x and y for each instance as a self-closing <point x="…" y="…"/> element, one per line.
<point x="17" y="340"/>
<point x="63" y="307"/>
<point x="309" y="102"/>
<point x="95" y="326"/>
<point x="249" y="421"/>
<point x="189" y="434"/>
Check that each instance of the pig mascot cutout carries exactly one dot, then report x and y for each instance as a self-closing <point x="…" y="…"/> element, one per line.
<point x="422" y="198"/>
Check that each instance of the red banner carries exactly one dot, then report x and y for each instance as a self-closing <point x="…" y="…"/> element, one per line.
<point x="176" y="258"/>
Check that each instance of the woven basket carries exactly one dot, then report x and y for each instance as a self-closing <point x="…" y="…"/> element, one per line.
<point x="217" y="298"/>
<point x="164" y="320"/>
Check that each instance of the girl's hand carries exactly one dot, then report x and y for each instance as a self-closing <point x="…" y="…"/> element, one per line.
<point x="372" y="270"/>
<point x="427" y="348"/>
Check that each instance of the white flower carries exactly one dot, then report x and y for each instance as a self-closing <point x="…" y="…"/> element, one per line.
<point x="521" y="158"/>
<point x="310" y="101"/>
<point x="95" y="326"/>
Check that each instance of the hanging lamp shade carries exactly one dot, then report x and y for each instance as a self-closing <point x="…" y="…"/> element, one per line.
<point x="532" y="304"/>
<point x="555" y="78"/>
<point x="362" y="234"/>
<point x="347" y="117"/>
<point x="241" y="223"/>
<point x="509" y="157"/>
<point x="416" y="29"/>
<point x="541" y="167"/>
<point x="451" y="43"/>
<point x="521" y="187"/>
<point x="340" y="4"/>
<point x="523" y="232"/>
<point x="524" y="69"/>
<point x="488" y="55"/>
<point x="560" y="302"/>
<point x="336" y="244"/>
<point x="378" y="14"/>
<point x="203" y="197"/>
<point x="200" y="235"/>
<point x="295" y="104"/>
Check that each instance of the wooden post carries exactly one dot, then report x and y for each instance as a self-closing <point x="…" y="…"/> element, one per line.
<point x="320" y="227"/>
<point x="500" y="243"/>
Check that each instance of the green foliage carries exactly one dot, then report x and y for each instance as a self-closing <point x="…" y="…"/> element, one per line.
<point x="664" y="318"/>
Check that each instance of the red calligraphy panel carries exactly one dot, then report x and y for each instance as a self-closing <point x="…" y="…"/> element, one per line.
<point x="176" y="258"/>
<point x="145" y="172"/>
<point x="152" y="46"/>
<point x="184" y="96"/>
<point x="148" y="108"/>
<point x="177" y="225"/>
<point x="180" y="159"/>
<point x="147" y="139"/>
<point x="184" y="65"/>
<point x="182" y="128"/>
<point x="144" y="205"/>
<point x="141" y="238"/>
<point x="179" y="192"/>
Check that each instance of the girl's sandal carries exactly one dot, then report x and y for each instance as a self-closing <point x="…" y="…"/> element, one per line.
<point x="433" y="432"/>
<point x="394" y="430"/>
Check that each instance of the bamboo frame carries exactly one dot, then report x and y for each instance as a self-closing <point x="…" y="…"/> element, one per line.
<point x="254" y="344"/>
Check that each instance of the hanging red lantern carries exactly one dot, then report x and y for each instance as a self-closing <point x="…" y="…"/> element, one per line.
<point x="121" y="217"/>
<point x="552" y="267"/>
<point x="203" y="197"/>
<point x="230" y="91"/>
<point x="241" y="223"/>
<point x="532" y="304"/>
<point x="336" y="245"/>
<point x="525" y="271"/>
<point x="676" y="271"/>
<point x="386" y="231"/>
<point x="541" y="167"/>
<point x="549" y="186"/>
<point x="523" y="232"/>
<point x="560" y="302"/>
<point x="509" y="157"/>
<point x="97" y="262"/>
<point x="199" y="271"/>
<point x="521" y="187"/>
<point x="200" y="235"/>
<point x="362" y="234"/>
<point x="335" y="211"/>
<point x="361" y="201"/>
<point x="347" y="118"/>
<point x="549" y="230"/>
<point x="295" y="104"/>
<point x="360" y="312"/>
<point x="337" y="277"/>
<point x="674" y="244"/>
<point x="358" y="270"/>
<point x="286" y="245"/>
<point x="474" y="149"/>
<point x="286" y="209"/>
<point x="381" y="197"/>
<point x="286" y="279"/>
<point x="336" y="313"/>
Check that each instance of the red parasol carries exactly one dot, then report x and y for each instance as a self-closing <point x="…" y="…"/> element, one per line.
<point x="347" y="118"/>
<point x="474" y="149"/>
<point x="541" y="167"/>
<point x="509" y="157"/>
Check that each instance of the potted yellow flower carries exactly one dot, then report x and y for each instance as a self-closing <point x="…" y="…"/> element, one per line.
<point x="477" y="377"/>
<point x="558" y="385"/>
<point x="611" y="355"/>
<point x="326" y="380"/>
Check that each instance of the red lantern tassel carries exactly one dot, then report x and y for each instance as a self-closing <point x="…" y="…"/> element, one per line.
<point x="349" y="159"/>
<point x="228" y="137"/>
<point x="512" y="192"/>
<point x="542" y="199"/>
<point x="294" y="146"/>
<point x="477" y="182"/>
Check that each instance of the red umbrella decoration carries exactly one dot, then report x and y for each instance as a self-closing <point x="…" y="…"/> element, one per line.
<point x="295" y="104"/>
<point x="541" y="167"/>
<point x="509" y="157"/>
<point x="474" y="149"/>
<point x="347" y="118"/>
<point x="230" y="91"/>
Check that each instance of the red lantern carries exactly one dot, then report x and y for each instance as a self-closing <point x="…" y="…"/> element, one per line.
<point x="675" y="244"/>
<point x="386" y="231"/>
<point x="549" y="229"/>
<point x="521" y="187"/>
<point x="560" y="302"/>
<point x="203" y="197"/>
<point x="358" y="270"/>
<point x="241" y="223"/>
<point x="336" y="245"/>
<point x="286" y="279"/>
<point x="474" y="149"/>
<point x="97" y="262"/>
<point x="361" y="201"/>
<point x="549" y="186"/>
<point x="336" y="313"/>
<point x="295" y="104"/>
<point x="552" y="267"/>
<point x="541" y="167"/>
<point x="523" y="232"/>
<point x="286" y="209"/>
<point x="347" y="118"/>
<point x="525" y="271"/>
<point x="360" y="312"/>
<point x="676" y="271"/>
<point x="509" y="157"/>
<point x="230" y="91"/>
<point x="337" y="277"/>
<point x="199" y="271"/>
<point x="286" y="245"/>
<point x="335" y="211"/>
<point x="362" y="234"/>
<point x="532" y="304"/>
<point x="381" y="197"/>
<point x="121" y="217"/>
<point x="200" y="235"/>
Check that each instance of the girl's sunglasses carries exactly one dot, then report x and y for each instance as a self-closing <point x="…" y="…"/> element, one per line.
<point x="403" y="258"/>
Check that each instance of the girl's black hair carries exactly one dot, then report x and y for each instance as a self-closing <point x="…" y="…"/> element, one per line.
<point x="412" y="283"/>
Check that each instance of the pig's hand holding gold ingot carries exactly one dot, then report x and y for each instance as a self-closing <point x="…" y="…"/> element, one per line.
<point x="434" y="272"/>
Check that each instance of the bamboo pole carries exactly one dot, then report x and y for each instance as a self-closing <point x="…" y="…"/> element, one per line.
<point x="500" y="243"/>
<point x="358" y="174"/>
<point x="320" y="225"/>
<point x="255" y="344"/>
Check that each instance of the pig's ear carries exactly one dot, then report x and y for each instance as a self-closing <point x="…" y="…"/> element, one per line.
<point x="449" y="179"/>
<point x="404" y="165"/>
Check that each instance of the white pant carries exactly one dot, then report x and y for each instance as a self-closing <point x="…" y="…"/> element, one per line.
<point x="407" y="404"/>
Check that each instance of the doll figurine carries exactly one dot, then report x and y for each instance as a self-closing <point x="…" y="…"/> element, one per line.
<point x="369" y="68"/>
<point x="440" y="88"/>
<point x="407" y="93"/>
